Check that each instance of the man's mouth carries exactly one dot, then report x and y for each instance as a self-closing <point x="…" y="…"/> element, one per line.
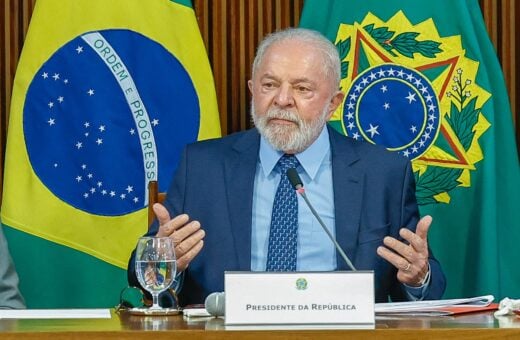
<point x="282" y="121"/>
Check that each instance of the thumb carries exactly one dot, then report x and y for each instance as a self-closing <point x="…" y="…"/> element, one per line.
<point x="423" y="226"/>
<point x="162" y="214"/>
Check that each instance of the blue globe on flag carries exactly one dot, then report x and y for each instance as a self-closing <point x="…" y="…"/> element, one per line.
<point x="107" y="112"/>
<point x="394" y="106"/>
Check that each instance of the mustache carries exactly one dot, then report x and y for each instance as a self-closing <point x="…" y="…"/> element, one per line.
<point x="282" y="114"/>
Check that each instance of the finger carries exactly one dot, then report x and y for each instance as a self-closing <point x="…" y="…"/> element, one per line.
<point x="400" y="248"/>
<point x="416" y="253"/>
<point x="184" y="261"/>
<point x="162" y="214"/>
<point x="423" y="226"/>
<point x="416" y="242"/>
<point x="168" y="227"/>
<point x="407" y="272"/>
<point x="185" y="231"/>
<point x="184" y="247"/>
<point x="397" y="261"/>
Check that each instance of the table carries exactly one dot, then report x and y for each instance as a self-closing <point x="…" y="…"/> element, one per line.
<point x="481" y="325"/>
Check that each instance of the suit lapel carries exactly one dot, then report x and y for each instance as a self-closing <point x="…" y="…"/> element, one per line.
<point x="348" y="195"/>
<point x="240" y="169"/>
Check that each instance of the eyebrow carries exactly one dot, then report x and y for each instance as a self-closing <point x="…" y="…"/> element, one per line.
<point x="302" y="80"/>
<point x="294" y="81"/>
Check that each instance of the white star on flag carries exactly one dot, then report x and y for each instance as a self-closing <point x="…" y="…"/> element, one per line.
<point x="373" y="130"/>
<point x="411" y="97"/>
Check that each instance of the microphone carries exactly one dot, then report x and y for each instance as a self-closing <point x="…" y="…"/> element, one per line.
<point x="215" y="304"/>
<point x="297" y="184"/>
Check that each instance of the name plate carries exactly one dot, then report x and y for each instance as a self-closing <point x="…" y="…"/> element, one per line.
<point x="300" y="298"/>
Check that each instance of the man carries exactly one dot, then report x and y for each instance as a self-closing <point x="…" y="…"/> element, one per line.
<point x="365" y="195"/>
<point x="10" y="296"/>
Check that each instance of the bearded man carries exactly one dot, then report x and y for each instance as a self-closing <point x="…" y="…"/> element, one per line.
<point x="230" y="210"/>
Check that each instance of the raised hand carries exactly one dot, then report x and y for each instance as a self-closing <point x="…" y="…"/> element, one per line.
<point x="187" y="235"/>
<point x="411" y="258"/>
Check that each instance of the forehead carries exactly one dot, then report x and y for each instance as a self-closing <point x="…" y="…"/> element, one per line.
<point x="292" y="58"/>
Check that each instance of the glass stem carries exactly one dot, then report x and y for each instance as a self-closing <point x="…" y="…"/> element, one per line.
<point x="155" y="300"/>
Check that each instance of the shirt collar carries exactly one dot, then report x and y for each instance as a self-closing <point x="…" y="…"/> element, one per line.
<point x="310" y="159"/>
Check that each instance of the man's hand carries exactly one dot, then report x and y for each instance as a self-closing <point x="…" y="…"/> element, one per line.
<point x="187" y="235"/>
<point x="410" y="259"/>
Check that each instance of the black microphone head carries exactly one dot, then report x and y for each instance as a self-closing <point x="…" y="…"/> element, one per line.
<point x="294" y="178"/>
<point x="215" y="304"/>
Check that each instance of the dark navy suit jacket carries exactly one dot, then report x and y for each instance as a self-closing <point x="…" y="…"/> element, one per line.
<point x="374" y="196"/>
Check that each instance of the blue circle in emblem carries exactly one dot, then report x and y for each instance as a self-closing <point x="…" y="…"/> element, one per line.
<point x="99" y="114"/>
<point x="394" y="106"/>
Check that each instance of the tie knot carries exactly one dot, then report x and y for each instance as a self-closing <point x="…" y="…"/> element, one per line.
<point x="286" y="162"/>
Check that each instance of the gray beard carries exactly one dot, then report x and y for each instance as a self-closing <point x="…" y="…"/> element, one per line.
<point x="288" y="138"/>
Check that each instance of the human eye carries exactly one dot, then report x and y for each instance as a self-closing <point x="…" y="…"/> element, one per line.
<point x="303" y="89"/>
<point x="268" y="85"/>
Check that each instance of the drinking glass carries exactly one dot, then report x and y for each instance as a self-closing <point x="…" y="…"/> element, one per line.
<point x="156" y="265"/>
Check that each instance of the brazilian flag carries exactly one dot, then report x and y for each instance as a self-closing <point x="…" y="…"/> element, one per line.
<point x="106" y="95"/>
<point x="422" y="79"/>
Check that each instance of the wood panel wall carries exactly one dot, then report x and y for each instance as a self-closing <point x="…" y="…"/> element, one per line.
<point x="231" y="30"/>
<point x="500" y="17"/>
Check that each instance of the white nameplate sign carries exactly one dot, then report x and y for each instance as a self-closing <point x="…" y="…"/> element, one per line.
<point x="336" y="299"/>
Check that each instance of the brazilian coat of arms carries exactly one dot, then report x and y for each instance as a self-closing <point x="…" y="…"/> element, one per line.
<point x="413" y="92"/>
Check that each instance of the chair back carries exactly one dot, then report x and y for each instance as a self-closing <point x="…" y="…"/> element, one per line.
<point x="154" y="196"/>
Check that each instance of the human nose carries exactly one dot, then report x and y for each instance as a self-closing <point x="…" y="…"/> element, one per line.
<point x="284" y="97"/>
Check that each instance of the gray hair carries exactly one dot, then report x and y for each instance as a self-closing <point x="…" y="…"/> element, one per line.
<point x="330" y="55"/>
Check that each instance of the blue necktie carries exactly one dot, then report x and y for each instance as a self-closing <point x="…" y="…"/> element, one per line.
<point x="283" y="235"/>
